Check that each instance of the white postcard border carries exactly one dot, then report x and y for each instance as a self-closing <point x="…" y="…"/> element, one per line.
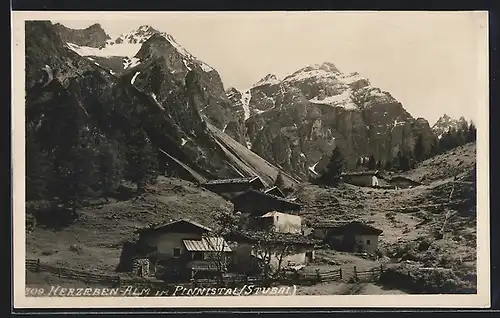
<point x="479" y="300"/>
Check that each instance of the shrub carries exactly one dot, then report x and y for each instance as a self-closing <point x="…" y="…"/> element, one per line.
<point x="30" y="222"/>
<point x="428" y="281"/>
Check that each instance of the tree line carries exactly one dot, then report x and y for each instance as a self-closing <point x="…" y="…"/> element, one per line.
<point x="71" y="155"/>
<point x="404" y="160"/>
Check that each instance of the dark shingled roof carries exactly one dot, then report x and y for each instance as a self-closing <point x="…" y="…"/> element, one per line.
<point x="260" y="202"/>
<point x="156" y="226"/>
<point x="349" y="226"/>
<point x="360" y="173"/>
<point x="402" y="178"/>
<point x="232" y="181"/>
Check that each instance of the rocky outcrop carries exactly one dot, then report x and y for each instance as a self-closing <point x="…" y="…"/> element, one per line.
<point x="173" y="99"/>
<point x="296" y="122"/>
<point x="445" y="123"/>
<point x="94" y="36"/>
<point x="165" y="55"/>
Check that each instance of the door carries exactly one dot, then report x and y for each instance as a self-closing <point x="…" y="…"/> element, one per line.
<point x="309" y="257"/>
<point x="349" y="243"/>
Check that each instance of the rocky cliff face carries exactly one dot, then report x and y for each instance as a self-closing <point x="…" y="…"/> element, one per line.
<point x="124" y="53"/>
<point x="445" y="123"/>
<point x="294" y="122"/>
<point x="297" y="121"/>
<point x="174" y="99"/>
<point x="94" y="36"/>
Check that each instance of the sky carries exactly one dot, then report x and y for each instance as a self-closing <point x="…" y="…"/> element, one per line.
<point x="429" y="61"/>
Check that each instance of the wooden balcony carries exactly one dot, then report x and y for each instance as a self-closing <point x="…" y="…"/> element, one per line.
<point x="202" y="265"/>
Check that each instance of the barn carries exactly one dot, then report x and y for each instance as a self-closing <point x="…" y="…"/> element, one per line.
<point x="362" y="178"/>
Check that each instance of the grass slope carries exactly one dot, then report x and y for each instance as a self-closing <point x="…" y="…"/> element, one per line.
<point x="101" y="230"/>
<point x="408" y="217"/>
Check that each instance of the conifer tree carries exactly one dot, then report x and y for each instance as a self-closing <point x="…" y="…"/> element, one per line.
<point x="403" y="161"/>
<point x="37" y="168"/>
<point x="419" y="149"/>
<point x="110" y="167"/>
<point x="388" y="164"/>
<point x="359" y="162"/>
<point x="372" y="163"/>
<point x="279" y="182"/>
<point x="472" y="132"/>
<point x="434" y="147"/>
<point x="333" y="170"/>
<point x="141" y="160"/>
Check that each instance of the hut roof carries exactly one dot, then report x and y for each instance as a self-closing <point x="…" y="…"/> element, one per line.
<point x="348" y="226"/>
<point x="207" y="244"/>
<point x="275" y="202"/>
<point x="246" y="180"/>
<point x="172" y="224"/>
<point x="360" y="173"/>
<point x="402" y="178"/>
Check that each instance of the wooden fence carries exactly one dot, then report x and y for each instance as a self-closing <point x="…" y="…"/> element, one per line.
<point x="367" y="275"/>
<point x="297" y="278"/>
<point x="62" y="272"/>
<point x="87" y="277"/>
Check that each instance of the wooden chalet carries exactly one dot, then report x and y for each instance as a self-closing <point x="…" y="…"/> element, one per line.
<point x="351" y="236"/>
<point x="182" y="248"/>
<point x="230" y="188"/>
<point x="257" y="203"/>
<point x="362" y="178"/>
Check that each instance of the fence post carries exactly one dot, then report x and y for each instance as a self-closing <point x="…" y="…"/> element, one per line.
<point x="38" y="265"/>
<point x="60" y="270"/>
<point x="355" y="273"/>
<point x="318" y="276"/>
<point x="340" y="273"/>
<point x="381" y="269"/>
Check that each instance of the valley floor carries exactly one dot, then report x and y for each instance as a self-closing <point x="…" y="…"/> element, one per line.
<point x="409" y="219"/>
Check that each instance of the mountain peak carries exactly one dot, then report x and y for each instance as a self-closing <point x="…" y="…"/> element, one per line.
<point x="446" y="122"/>
<point x="232" y="90"/>
<point x="146" y="30"/>
<point x="93" y="36"/>
<point x="326" y="66"/>
<point x="269" y="79"/>
<point x="95" y="26"/>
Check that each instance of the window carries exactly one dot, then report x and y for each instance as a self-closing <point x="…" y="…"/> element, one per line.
<point x="198" y="256"/>
<point x="367" y="242"/>
<point x="177" y="252"/>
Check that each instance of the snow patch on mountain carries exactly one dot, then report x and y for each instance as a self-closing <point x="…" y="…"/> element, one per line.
<point x="132" y="81"/>
<point x="245" y="101"/>
<point x="350" y="78"/>
<point x="309" y="74"/>
<point x="269" y="79"/>
<point x="445" y="123"/>
<point x="126" y="50"/>
<point x="130" y="62"/>
<point x="341" y="100"/>
<point x="128" y="44"/>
